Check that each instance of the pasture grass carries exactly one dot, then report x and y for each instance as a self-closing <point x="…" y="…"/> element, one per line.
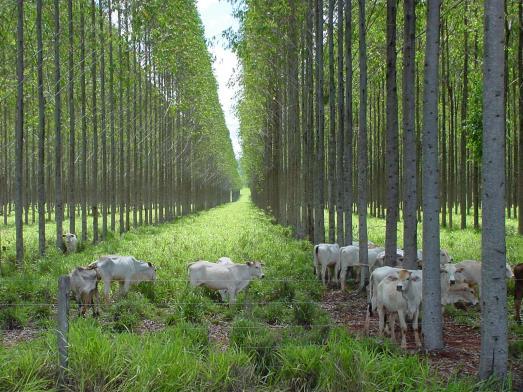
<point x="279" y="338"/>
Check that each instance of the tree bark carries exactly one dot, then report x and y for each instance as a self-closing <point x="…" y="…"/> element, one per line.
<point x="432" y="319"/>
<point x="362" y="148"/>
<point x="520" y="108"/>
<point x="19" y="131"/>
<point x="348" y="130"/>
<point x="59" y="212"/>
<point x="332" y="126"/>
<point x="494" y="326"/>
<point x="94" y="119"/>
<point x="463" y="133"/>
<point x="41" y="132"/>
<point x="71" y="172"/>
<point x="341" y="131"/>
<point x="409" y="136"/>
<point x="103" y="126"/>
<point x="392" y="180"/>
<point x="83" y="113"/>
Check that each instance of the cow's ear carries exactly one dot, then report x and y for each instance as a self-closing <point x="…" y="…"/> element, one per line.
<point x="249" y="263"/>
<point x="150" y="264"/>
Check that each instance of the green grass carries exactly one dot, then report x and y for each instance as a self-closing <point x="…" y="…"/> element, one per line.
<point x="278" y="339"/>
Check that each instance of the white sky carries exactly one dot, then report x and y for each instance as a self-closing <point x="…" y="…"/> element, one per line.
<point x="216" y="17"/>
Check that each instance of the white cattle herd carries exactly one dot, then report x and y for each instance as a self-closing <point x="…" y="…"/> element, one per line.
<point x="392" y="292"/>
<point x="395" y="291"/>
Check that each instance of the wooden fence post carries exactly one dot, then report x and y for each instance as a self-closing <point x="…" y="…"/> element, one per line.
<point x="63" y="328"/>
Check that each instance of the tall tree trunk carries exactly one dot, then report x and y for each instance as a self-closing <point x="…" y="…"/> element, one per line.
<point x="341" y="130"/>
<point x="494" y="326"/>
<point x="103" y="126"/>
<point x="332" y="125"/>
<point x="83" y="114"/>
<point x="71" y="172"/>
<point x="463" y="134"/>
<point x="19" y="130"/>
<point x="319" y="220"/>
<point x="121" y="167"/>
<point x="362" y="148"/>
<point x="311" y="183"/>
<point x="113" y="187"/>
<point x="432" y="319"/>
<point x="59" y="212"/>
<point x="41" y="132"/>
<point x="94" y="180"/>
<point x="391" y="230"/>
<point x="348" y="130"/>
<point x="409" y="135"/>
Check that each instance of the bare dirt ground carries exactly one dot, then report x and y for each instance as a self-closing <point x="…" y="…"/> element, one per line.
<point x="12" y="337"/>
<point x="460" y="356"/>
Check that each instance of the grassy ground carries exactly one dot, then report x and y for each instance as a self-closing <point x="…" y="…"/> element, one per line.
<point x="276" y="339"/>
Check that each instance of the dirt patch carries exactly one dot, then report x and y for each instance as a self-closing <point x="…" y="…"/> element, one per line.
<point x="15" y="336"/>
<point x="460" y="356"/>
<point x="219" y="335"/>
<point x="148" y="326"/>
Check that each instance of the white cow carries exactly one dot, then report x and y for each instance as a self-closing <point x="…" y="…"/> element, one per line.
<point x="349" y="257"/>
<point x="226" y="261"/>
<point x="124" y="269"/>
<point x="232" y="278"/>
<point x="326" y="256"/>
<point x="84" y="286"/>
<point x="400" y="292"/>
<point x="460" y="292"/>
<point x="70" y="242"/>
<point x="469" y="271"/>
<point x="444" y="257"/>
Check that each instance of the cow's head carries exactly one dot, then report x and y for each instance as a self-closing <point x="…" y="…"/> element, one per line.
<point x="255" y="268"/>
<point x="147" y="271"/>
<point x="450" y="270"/>
<point x="405" y="278"/>
<point x="69" y="237"/>
<point x="444" y="257"/>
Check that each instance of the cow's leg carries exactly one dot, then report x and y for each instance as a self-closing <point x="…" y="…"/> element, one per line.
<point x="381" y="316"/>
<point x="343" y="278"/>
<point x="324" y="271"/>
<point x="96" y="301"/>
<point x="107" y="289"/>
<point x="232" y="295"/>
<point x="334" y="269"/>
<point x="403" y="326"/>
<point x="124" y="287"/>
<point x="392" y="326"/>
<point x="367" y="320"/>
<point x="223" y="294"/>
<point x="415" y="327"/>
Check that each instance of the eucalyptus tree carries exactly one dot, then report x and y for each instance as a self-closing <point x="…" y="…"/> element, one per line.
<point x="41" y="132"/>
<point x="19" y="133"/>
<point x="70" y="100"/>
<point x="319" y="220"/>
<point x="432" y="319"/>
<point x="348" y="130"/>
<point x="59" y="212"/>
<point x="332" y="126"/>
<point x="494" y="325"/>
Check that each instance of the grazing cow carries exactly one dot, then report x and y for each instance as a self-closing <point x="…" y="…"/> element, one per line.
<point x="70" y="242"/>
<point x="518" y="291"/>
<point x="326" y="256"/>
<point x="400" y="293"/>
<point x="225" y="278"/>
<point x="84" y="286"/>
<point x="124" y="269"/>
<point x="469" y="271"/>
<point x="459" y="292"/>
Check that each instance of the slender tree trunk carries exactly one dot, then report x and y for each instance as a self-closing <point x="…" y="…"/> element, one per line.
<point x="409" y="136"/>
<point x="463" y="134"/>
<point x="103" y="126"/>
<point x="432" y="319"/>
<point x="59" y="212"/>
<point x="84" y="123"/>
<point x="319" y="220"/>
<point x="332" y="126"/>
<point x="121" y="168"/>
<point x="348" y="130"/>
<point x="71" y="172"/>
<point x="391" y="231"/>
<point x="494" y="325"/>
<point x="41" y="132"/>
<point x="112" y="124"/>
<point x="341" y="131"/>
<point x="19" y="130"/>
<point x="362" y="148"/>
<point x="94" y="180"/>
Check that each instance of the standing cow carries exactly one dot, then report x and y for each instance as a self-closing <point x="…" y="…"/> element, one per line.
<point x="230" y="279"/>
<point x="123" y="269"/>
<point x="326" y="257"/>
<point x="84" y="286"/>
<point x="70" y="242"/>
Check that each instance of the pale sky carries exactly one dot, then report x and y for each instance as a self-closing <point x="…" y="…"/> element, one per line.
<point x="216" y="17"/>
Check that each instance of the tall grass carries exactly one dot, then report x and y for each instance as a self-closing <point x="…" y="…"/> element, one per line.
<point x="279" y="339"/>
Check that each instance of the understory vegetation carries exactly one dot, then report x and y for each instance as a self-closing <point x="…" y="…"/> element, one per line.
<point x="276" y="338"/>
